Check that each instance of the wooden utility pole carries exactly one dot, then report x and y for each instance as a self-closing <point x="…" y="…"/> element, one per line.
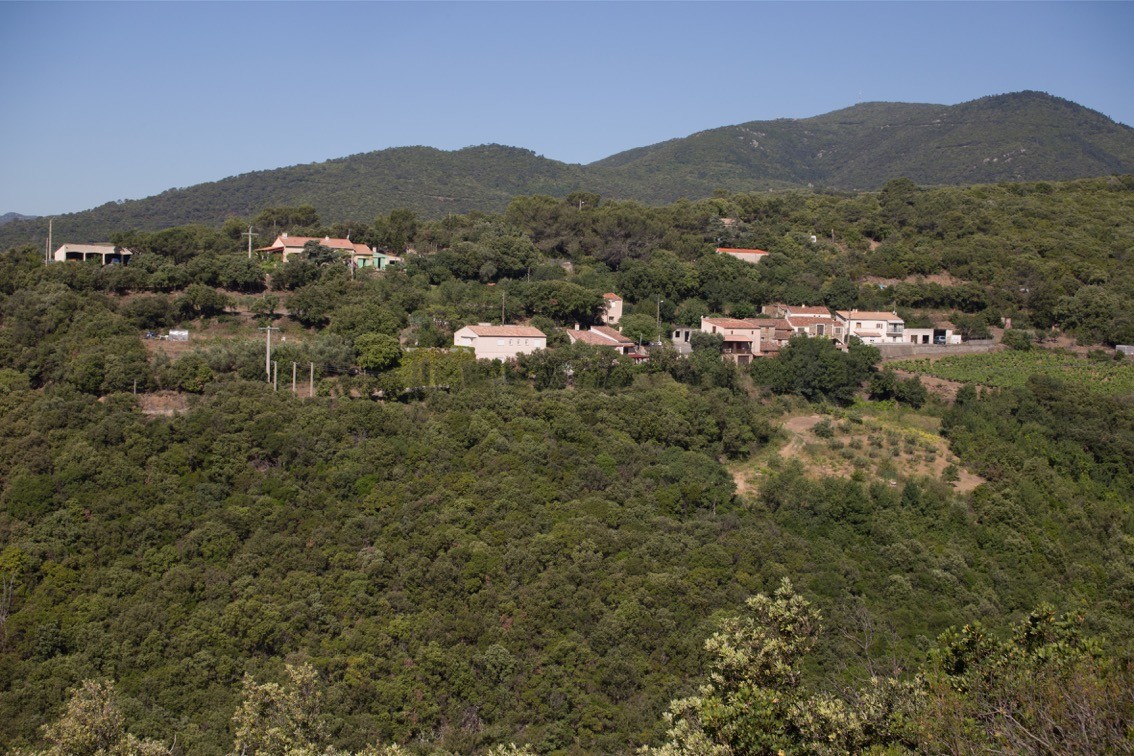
<point x="268" y="351"/>
<point x="249" y="234"/>
<point x="47" y="252"/>
<point x="311" y="381"/>
<point x="275" y="376"/>
<point x="294" y="366"/>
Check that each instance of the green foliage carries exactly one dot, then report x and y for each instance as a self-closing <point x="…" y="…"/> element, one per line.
<point x="287" y="219"/>
<point x="1018" y="340"/>
<point x="377" y="351"/>
<point x="280" y="719"/>
<point x="93" y="725"/>
<point x="816" y="369"/>
<point x="201" y="302"/>
<point x="754" y="702"/>
<point x="1045" y="688"/>
<point x="886" y="385"/>
<point x="578" y="364"/>
<point x="639" y="327"/>
<point x="564" y="302"/>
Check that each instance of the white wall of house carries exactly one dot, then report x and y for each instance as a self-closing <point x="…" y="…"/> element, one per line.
<point x="613" y="312"/>
<point x="500" y="342"/>
<point x="874" y="327"/>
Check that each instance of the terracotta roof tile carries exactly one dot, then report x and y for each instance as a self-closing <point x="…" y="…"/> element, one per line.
<point x="612" y="334"/>
<point x="868" y="315"/>
<point x="804" y="311"/>
<point x="734" y="323"/>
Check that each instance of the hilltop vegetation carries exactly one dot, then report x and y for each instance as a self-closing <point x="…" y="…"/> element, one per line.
<point x="1025" y="136"/>
<point x="453" y="555"/>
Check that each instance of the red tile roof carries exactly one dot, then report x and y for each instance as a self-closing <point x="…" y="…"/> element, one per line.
<point x="868" y="315"/>
<point x="600" y="336"/>
<point x="612" y="297"/>
<point x="588" y="337"/>
<point x="806" y="312"/>
<point x="734" y="323"/>
<point x="293" y="242"/>
<point x="612" y="334"/>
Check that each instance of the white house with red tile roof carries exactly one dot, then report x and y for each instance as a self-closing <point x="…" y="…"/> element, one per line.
<point x="601" y="336"/>
<point x="500" y="342"/>
<point x="746" y="255"/>
<point x="741" y="337"/>
<point x="612" y="308"/>
<point x="287" y="246"/>
<point x="873" y="327"/>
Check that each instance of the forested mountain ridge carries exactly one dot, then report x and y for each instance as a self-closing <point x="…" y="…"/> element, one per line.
<point x="1026" y="136"/>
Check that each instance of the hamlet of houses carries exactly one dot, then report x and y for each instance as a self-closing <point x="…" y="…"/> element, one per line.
<point x="744" y="338"/>
<point x="748" y="338"/>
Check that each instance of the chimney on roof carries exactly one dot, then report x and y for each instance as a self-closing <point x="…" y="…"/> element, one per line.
<point x="285" y="234"/>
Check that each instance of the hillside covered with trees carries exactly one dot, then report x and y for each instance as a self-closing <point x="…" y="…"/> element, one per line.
<point x="573" y="553"/>
<point x="1024" y="136"/>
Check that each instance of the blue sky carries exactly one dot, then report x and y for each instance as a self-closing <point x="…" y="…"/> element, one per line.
<point x="107" y="101"/>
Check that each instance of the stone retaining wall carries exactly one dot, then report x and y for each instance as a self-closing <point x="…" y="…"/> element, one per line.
<point x="902" y="351"/>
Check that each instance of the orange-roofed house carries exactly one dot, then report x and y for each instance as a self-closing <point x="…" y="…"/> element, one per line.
<point x="612" y="308"/>
<point x="746" y="255"/>
<point x="601" y="336"/>
<point x="741" y="337"/>
<point x="500" y="342"/>
<point x="873" y="327"/>
<point x="289" y="246"/>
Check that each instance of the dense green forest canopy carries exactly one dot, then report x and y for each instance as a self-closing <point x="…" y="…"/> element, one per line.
<point x="462" y="554"/>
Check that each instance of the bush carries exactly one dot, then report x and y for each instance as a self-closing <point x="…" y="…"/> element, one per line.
<point x="1018" y="340"/>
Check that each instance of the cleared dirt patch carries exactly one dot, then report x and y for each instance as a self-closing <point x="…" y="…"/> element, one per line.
<point x="165" y="403"/>
<point x="871" y="447"/>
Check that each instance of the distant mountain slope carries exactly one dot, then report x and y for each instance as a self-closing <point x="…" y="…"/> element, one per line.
<point x="1024" y="136"/>
<point x="427" y="180"/>
<point x="9" y="217"/>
